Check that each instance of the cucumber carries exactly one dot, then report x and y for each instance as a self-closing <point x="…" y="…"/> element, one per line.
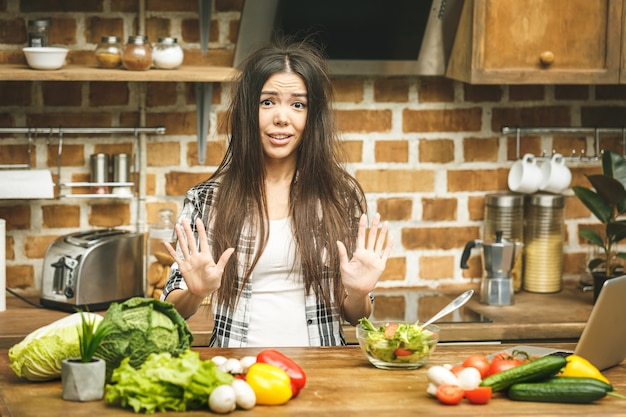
<point x="573" y="392"/>
<point x="580" y="380"/>
<point x="535" y="370"/>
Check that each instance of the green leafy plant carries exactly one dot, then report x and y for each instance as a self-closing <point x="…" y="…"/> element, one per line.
<point x="607" y="202"/>
<point x="90" y="336"/>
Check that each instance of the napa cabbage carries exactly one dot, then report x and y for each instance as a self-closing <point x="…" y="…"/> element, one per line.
<point x="39" y="355"/>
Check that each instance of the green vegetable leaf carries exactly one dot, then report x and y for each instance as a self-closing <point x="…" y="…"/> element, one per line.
<point x="165" y="383"/>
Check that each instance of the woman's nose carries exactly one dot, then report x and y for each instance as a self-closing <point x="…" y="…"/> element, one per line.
<point x="281" y="118"/>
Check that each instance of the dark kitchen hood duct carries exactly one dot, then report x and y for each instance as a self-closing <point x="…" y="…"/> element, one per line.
<point x="360" y="37"/>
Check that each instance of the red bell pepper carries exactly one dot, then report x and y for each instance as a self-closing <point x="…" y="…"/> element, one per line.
<point x="282" y="361"/>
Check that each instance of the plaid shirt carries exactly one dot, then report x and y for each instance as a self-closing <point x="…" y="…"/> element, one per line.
<point x="231" y="324"/>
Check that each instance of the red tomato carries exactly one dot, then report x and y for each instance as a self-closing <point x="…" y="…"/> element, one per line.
<point x="402" y="352"/>
<point x="449" y="394"/>
<point x="390" y="330"/>
<point x="501" y="364"/>
<point x="456" y="369"/>
<point x="479" y="362"/>
<point x="480" y="395"/>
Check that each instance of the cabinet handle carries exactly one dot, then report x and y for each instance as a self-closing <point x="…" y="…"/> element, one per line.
<point x="546" y="58"/>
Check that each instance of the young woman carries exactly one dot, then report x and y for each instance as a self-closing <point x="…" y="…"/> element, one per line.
<point x="278" y="235"/>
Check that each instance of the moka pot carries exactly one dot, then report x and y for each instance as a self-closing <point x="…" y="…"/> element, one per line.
<point x="498" y="257"/>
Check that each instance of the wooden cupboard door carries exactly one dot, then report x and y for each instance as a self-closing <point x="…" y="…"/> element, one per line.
<point x="539" y="41"/>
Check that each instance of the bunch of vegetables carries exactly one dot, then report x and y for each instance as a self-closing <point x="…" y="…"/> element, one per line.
<point x="546" y="379"/>
<point x="134" y="329"/>
<point x="274" y="377"/>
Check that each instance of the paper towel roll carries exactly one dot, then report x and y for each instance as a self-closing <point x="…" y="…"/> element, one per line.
<point x="3" y="268"/>
<point x="26" y="183"/>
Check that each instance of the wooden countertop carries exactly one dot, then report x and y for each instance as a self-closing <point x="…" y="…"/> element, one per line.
<point x="533" y="317"/>
<point x="340" y="382"/>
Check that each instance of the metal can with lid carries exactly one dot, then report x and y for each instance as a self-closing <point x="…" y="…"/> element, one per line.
<point x="109" y="52"/>
<point x="137" y="55"/>
<point x="38" y="32"/>
<point x="505" y="212"/>
<point x="543" y="243"/>
<point x="167" y="53"/>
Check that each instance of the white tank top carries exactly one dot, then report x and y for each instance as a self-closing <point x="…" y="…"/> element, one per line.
<point x="277" y="309"/>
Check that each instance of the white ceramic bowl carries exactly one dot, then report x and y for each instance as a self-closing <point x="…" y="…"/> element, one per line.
<point x="45" y="58"/>
<point x="383" y="353"/>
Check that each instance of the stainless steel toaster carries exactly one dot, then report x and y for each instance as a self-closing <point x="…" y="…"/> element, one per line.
<point x="90" y="270"/>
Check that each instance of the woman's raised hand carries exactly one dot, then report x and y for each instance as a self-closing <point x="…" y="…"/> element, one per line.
<point x="361" y="273"/>
<point x="202" y="275"/>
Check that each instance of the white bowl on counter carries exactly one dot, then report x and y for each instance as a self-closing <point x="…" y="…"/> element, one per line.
<point x="46" y="57"/>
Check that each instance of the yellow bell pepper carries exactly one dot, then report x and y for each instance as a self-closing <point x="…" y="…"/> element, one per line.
<point x="271" y="385"/>
<point x="581" y="367"/>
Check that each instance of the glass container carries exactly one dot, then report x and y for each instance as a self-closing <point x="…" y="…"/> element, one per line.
<point x="543" y="243"/>
<point x="109" y="52"/>
<point x="158" y="259"/>
<point x="38" y="32"/>
<point x="137" y="55"/>
<point x="167" y="54"/>
<point x="505" y="212"/>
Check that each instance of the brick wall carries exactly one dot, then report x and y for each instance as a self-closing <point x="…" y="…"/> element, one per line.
<point x="426" y="149"/>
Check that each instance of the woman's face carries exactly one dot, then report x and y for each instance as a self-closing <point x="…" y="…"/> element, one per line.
<point x="282" y="115"/>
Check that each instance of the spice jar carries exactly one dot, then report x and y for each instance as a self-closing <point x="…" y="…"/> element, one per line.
<point x="137" y="55"/>
<point x="99" y="164"/>
<point x="167" y="53"/>
<point x="38" y="32"/>
<point x="109" y="52"/>
<point x="158" y="258"/>
<point x="543" y="243"/>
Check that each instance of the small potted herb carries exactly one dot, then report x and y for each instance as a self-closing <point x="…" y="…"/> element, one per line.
<point x="607" y="202"/>
<point x="83" y="378"/>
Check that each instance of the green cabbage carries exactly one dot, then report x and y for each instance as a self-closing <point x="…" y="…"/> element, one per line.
<point x="39" y="355"/>
<point x="141" y="326"/>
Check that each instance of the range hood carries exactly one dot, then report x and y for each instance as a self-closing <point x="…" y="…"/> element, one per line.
<point x="360" y="37"/>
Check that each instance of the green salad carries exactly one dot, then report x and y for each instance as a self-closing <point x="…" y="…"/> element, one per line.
<point x="398" y="342"/>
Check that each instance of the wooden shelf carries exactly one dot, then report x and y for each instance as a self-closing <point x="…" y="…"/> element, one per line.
<point x="84" y="73"/>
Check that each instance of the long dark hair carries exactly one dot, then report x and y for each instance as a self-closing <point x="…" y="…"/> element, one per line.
<point x="325" y="201"/>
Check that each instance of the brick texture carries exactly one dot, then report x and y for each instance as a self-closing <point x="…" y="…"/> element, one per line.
<point x="426" y="149"/>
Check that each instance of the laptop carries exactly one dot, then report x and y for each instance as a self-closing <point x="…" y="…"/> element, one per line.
<point x="603" y="340"/>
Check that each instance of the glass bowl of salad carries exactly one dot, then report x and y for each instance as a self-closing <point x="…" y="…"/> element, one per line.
<point x="396" y="345"/>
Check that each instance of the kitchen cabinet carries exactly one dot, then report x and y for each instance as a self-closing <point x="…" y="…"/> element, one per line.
<point x="538" y="42"/>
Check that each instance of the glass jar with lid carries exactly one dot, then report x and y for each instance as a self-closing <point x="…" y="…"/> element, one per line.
<point x="158" y="259"/>
<point x="167" y="53"/>
<point x="109" y="52"/>
<point x="38" y="32"/>
<point x="137" y="55"/>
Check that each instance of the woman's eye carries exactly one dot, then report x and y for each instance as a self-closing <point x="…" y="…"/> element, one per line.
<point x="266" y="102"/>
<point x="299" y="105"/>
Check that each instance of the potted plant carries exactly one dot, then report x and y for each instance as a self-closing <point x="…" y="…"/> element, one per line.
<point x="607" y="202"/>
<point x="83" y="378"/>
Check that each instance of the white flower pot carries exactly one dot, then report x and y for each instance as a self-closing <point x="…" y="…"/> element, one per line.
<point x="83" y="381"/>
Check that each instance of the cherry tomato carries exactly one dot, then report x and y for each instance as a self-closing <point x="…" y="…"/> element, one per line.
<point x="449" y="394"/>
<point x="480" y="395"/>
<point x="390" y="330"/>
<point x="456" y="369"/>
<point x="402" y="352"/>
<point x="479" y="362"/>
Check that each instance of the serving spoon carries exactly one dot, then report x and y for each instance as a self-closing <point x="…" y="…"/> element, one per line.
<point x="454" y="304"/>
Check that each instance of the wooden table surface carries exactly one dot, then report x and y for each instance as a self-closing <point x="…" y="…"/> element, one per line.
<point x="340" y="382"/>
